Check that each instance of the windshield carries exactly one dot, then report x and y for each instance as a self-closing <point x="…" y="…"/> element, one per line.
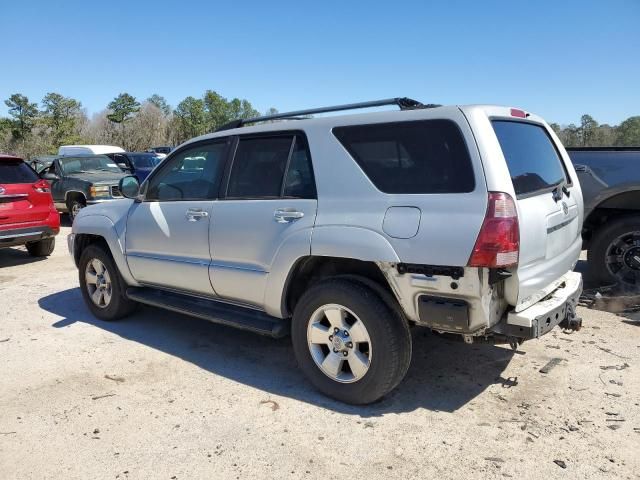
<point x="96" y="163"/>
<point x="533" y="161"/>
<point x="144" y="160"/>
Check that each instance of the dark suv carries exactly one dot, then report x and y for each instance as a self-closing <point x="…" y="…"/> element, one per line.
<point x="82" y="180"/>
<point x="138" y="164"/>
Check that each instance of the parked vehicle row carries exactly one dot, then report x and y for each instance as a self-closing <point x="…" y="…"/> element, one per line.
<point x="346" y="230"/>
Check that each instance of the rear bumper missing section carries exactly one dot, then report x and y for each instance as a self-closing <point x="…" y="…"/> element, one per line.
<point x="558" y="308"/>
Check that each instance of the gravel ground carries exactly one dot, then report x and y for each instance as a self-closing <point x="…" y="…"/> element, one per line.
<point x="160" y="395"/>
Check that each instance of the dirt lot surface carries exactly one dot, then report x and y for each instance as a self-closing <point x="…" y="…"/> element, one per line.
<point x="161" y="395"/>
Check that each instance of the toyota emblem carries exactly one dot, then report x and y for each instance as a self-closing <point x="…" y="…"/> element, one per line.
<point x="2" y="190"/>
<point x="565" y="208"/>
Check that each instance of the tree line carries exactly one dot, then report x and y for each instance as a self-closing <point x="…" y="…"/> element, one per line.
<point x="589" y="133"/>
<point x="33" y="129"/>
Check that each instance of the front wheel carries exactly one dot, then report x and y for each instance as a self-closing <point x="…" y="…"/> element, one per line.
<point x="102" y="286"/>
<point x="74" y="206"/>
<point x="350" y="344"/>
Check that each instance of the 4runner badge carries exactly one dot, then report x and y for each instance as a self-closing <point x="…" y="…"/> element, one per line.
<point x="565" y="208"/>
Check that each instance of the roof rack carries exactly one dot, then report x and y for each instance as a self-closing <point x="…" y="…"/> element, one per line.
<point x="403" y="103"/>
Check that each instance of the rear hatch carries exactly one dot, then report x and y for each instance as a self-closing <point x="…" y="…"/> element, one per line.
<point x="542" y="181"/>
<point x="24" y="198"/>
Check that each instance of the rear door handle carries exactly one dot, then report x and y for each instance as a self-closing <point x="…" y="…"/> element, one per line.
<point x="195" y="214"/>
<point x="287" y="215"/>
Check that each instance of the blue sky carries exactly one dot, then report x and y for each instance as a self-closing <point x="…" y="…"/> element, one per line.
<point x="558" y="58"/>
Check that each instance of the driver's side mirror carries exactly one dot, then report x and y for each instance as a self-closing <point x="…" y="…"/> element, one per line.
<point x="49" y="176"/>
<point x="129" y="187"/>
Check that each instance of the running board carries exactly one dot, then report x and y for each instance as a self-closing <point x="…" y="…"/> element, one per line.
<point x="216" y="312"/>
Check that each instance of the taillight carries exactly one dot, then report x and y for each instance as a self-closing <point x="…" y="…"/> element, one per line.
<point x="498" y="243"/>
<point x="41" y="186"/>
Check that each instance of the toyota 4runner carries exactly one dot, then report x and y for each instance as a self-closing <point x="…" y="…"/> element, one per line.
<point x="347" y="230"/>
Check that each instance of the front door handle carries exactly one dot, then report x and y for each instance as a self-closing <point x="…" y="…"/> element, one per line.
<point x="287" y="215"/>
<point x="195" y="214"/>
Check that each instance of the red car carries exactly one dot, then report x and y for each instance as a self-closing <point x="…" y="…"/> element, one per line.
<point x="27" y="214"/>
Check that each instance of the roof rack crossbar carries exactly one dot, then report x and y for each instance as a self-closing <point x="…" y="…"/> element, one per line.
<point x="403" y="103"/>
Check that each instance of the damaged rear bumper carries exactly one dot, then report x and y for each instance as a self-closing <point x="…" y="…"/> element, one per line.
<point x="558" y="308"/>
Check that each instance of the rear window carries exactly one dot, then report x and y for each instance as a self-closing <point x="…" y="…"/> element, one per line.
<point x="532" y="159"/>
<point x="16" y="172"/>
<point x="428" y="156"/>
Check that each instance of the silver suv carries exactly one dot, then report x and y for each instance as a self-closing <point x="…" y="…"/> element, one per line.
<point x="346" y="231"/>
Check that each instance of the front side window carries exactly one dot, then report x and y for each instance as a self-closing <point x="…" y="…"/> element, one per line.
<point x="192" y="174"/>
<point x="427" y="156"/>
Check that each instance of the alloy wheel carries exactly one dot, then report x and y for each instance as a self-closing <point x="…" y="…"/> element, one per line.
<point x="339" y="343"/>
<point x="98" y="282"/>
<point x="623" y="258"/>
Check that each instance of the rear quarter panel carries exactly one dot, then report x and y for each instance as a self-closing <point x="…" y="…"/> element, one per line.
<point x="348" y="201"/>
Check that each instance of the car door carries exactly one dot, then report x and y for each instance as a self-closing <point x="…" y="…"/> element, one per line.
<point x="167" y="237"/>
<point x="268" y="207"/>
<point x="56" y="183"/>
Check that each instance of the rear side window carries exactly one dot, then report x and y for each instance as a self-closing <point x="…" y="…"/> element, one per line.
<point x="532" y="159"/>
<point x="428" y="156"/>
<point x="16" y="172"/>
<point x="272" y="167"/>
<point x="258" y="167"/>
<point x="299" y="181"/>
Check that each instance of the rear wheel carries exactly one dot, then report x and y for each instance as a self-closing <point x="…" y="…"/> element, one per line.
<point x="102" y="286"/>
<point x="614" y="255"/>
<point x="350" y="344"/>
<point x="41" y="248"/>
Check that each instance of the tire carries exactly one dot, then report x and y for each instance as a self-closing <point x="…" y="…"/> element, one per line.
<point x="74" y="206"/>
<point x="112" y="302"/>
<point x="613" y="252"/>
<point x="387" y="353"/>
<point x="41" y="248"/>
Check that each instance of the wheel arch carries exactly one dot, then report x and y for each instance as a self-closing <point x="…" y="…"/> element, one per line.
<point x="71" y="194"/>
<point x="616" y="205"/>
<point x="92" y="229"/>
<point x="309" y="270"/>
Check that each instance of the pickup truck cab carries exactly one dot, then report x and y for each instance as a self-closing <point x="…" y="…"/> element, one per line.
<point x="610" y="181"/>
<point x="345" y="231"/>
<point x="82" y="180"/>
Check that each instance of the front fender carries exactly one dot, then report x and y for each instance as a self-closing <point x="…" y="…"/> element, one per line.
<point x="113" y="234"/>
